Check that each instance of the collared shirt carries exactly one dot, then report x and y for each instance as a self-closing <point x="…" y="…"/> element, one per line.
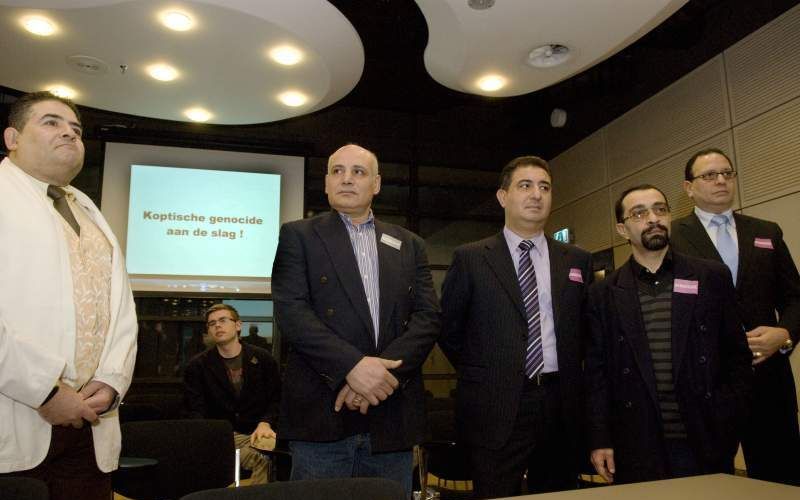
<point x="365" y="248"/>
<point x="654" y="283"/>
<point x="540" y="258"/>
<point x="711" y="229"/>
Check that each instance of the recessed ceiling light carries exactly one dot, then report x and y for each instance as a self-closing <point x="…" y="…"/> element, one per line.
<point x="548" y="55"/>
<point x="293" y="98"/>
<point x="197" y="114"/>
<point x="286" y="55"/>
<point x="39" y="25"/>
<point x="61" y="91"/>
<point x="176" y="20"/>
<point x="490" y="83"/>
<point x="162" y="72"/>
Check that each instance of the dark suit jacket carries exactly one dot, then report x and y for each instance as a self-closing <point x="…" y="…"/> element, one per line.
<point x="321" y="309"/>
<point x="485" y="336"/>
<point x="710" y="365"/>
<point x="767" y="283"/>
<point x="208" y="392"/>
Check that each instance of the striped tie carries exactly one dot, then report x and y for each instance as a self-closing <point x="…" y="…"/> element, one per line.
<point x="534" y="356"/>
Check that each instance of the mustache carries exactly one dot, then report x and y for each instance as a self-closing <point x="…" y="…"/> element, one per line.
<point x="653" y="227"/>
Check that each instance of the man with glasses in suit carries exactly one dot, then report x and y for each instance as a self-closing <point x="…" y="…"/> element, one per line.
<point x="768" y="302"/>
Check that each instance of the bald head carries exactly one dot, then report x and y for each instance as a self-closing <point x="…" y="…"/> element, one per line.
<point x="352" y="181"/>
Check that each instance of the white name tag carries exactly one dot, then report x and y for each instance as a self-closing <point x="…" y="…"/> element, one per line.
<point x="391" y="241"/>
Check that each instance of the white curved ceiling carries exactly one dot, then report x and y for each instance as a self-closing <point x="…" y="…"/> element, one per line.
<point x="465" y="44"/>
<point x="223" y="62"/>
<point x="224" y="67"/>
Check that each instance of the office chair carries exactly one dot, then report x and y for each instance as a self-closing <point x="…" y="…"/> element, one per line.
<point x="23" y="488"/>
<point x="175" y="457"/>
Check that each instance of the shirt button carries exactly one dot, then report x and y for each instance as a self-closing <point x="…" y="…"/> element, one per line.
<point x="626" y="370"/>
<point x="628" y="404"/>
<point x="702" y="360"/>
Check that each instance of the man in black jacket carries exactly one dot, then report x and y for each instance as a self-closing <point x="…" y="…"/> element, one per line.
<point x="767" y="299"/>
<point x="236" y="382"/>
<point x="668" y="372"/>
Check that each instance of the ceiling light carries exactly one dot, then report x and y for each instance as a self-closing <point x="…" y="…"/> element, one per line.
<point x="293" y="98"/>
<point x="548" y="55"/>
<point x="176" y="20"/>
<point x="286" y="55"/>
<point x="39" y="25"/>
<point x="162" y="72"/>
<point x="490" y="83"/>
<point x="62" y="91"/>
<point x="197" y="114"/>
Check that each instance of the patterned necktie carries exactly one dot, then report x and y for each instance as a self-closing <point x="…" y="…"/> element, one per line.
<point x="62" y="207"/>
<point x="534" y="356"/>
<point x="725" y="244"/>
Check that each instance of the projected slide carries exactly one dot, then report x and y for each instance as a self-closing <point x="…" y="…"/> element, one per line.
<point x="190" y="222"/>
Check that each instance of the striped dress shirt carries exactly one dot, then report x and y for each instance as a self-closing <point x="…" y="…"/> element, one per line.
<point x="365" y="248"/>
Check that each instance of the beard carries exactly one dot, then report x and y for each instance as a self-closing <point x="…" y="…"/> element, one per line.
<point x="655" y="241"/>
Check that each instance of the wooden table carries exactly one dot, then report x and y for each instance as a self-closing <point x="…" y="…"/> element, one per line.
<point x="710" y="487"/>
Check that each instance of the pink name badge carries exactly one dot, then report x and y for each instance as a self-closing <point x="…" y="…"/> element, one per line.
<point x="685" y="286"/>
<point x="763" y="243"/>
<point x="575" y="275"/>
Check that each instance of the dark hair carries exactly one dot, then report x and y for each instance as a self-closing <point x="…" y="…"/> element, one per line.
<point x="641" y="187"/>
<point x="687" y="172"/>
<point x="20" y="110"/>
<point x="522" y="161"/>
<point x="222" y="307"/>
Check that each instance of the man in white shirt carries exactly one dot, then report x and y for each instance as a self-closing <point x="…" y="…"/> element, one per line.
<point x="67" y="319"/>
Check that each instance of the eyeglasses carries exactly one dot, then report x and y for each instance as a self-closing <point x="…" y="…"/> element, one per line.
<point x="641" y="213"/>
<point x="221" y="321"/>
<point x="712" y="176"/>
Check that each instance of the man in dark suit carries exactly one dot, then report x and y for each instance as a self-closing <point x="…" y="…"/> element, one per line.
<point x="768" y="301"/>
<point x="355" y="300"/>
<point x="668" y="371"/>
<point x="236" y="382"/>
<point x="512" y="310"/>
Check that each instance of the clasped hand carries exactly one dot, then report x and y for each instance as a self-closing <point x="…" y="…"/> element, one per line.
<point x="368" y="383"/>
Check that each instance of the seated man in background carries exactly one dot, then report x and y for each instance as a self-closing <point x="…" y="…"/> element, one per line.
<point x="668" y="374"/>
<point x="236" y="382"/>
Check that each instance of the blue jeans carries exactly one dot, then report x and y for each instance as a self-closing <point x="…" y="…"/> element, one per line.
<point x="349" y="457"/>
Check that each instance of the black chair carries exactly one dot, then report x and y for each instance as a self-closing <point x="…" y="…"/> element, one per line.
<point x="23" y="488"/>
<point x="355" y="488"/>
<point x="189" y="455"/>
<point x="444" y="458"/>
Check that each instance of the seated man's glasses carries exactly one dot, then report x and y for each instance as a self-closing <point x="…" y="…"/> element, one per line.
<point x="220" y="321"/>
<point x="641" y="213"/>
<point x="712" y="176"/>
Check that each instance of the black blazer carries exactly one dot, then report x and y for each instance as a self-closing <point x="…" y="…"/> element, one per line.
<point x="208" y="392"/>
<point x="767" y="283"/>
<point x="710" y="365"/>
<point x="485" y="330"/>
<point x="321" y="309"/>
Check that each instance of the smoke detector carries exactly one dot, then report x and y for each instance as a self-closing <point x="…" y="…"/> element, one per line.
<point x="87" y="64"/>
<point x="549" y="55"/>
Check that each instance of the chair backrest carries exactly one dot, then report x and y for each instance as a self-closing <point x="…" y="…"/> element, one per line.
<point x="23" y="488"/>
<point x="354" y="488"/>
<point x="192" y="455"/>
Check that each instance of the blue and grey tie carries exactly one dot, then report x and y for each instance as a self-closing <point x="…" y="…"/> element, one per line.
<point x="725" y="244"/>
<point x="534" y="356"/>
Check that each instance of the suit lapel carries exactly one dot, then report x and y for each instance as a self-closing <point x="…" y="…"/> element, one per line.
<point x="626" y="301"/>
<point x="682" y="313"/>
<point x="389" y="271"/>
<point x="697" y="236"/>
<point x="499" y="259"/>
<point x="334" y="237"/>
<point x="558" y="277"/>
<point x="745" y="236"/>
